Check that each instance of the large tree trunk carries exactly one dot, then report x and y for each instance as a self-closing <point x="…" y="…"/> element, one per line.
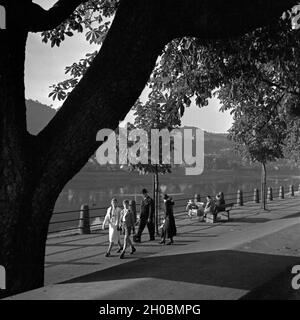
<point x="34" y="169"/>
<point x="25" y="207"/>
<point x="23" y="220"/>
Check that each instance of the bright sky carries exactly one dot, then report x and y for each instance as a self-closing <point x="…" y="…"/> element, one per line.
<point x="45" y="66"/>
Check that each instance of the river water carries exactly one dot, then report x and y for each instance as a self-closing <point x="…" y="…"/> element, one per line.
<point x="97" y="188"/>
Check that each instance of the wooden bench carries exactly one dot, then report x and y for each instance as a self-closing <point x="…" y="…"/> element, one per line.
<point x="210" y="218"/>
<point x="226" y="210"/>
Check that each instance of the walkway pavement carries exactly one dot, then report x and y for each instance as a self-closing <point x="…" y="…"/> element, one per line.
<point x="228" y="260"/>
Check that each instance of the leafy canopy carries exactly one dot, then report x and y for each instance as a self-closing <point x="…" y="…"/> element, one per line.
<point x="255" y="76"/>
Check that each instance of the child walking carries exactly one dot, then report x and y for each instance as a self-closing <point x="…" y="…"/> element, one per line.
<point x="127" y="221"/>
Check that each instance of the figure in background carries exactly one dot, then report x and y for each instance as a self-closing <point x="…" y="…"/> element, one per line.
<point x="195" y="208"/>
<point x="200" y="207"/>
<point x="209" y="207"/>
<point x="220" y="203"/>
<point x="132" y="207"/>
<point x="112" y="217"/>
<point x="191" y="208"/>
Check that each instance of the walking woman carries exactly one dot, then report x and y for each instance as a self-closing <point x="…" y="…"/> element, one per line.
<point x="169" y="228"/>
<point x="127" y="221"/>
<point x="113" y="219"/>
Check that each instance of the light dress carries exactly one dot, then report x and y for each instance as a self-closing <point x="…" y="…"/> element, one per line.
<point x="113" y="219"/>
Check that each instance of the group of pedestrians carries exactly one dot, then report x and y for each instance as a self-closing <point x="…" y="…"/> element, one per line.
<point x="119" y="220"/>
<point x="123" y="221"/>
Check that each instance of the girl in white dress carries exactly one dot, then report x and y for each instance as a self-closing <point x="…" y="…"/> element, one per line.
<point x="112" y="217"/>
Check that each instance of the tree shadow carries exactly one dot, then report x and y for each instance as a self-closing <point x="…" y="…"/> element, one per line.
<point x="224" y="268"/>
<point x="293" y="215"/>
<point x="251" y="220"/>
<point x="278" y="288"/>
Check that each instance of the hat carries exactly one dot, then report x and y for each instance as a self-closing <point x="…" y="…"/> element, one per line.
<point x="166" y="197"/>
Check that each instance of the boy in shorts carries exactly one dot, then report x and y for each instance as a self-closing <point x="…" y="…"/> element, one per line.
<point x="127" y="221"/>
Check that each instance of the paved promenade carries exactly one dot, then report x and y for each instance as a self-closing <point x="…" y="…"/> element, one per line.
<point x="230" y="260"/>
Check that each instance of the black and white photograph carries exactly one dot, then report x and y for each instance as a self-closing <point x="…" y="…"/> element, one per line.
<point x="149" y="155"/>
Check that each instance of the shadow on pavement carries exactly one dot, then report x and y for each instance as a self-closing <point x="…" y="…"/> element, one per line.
<point x="224" y="268"/>
<point x="294" y="215"/>
<point x="251" y="220"/>
<point x="278" y="288"/>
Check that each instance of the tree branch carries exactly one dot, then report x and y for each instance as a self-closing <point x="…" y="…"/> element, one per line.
<point x="283" y="88"/>
<point x="122" y="68"/>
<point x="43" y="20"/>
<point x="106" y="92"/>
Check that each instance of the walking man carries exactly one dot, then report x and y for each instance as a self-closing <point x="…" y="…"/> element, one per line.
<point x="146" y="217"/>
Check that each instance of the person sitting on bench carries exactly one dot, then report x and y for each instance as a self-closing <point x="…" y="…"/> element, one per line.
<point x="200" y="208"/>
<point x="209" y="207"/>
<point x="220" y="203"/>
<point x="191" y="208"/>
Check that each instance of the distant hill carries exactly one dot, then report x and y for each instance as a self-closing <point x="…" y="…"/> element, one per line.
<point x="214" y="143"/>
<point x="38" y="115"/>
<point x="217" y="148"/>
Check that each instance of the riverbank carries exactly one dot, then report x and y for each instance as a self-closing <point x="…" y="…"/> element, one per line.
<point x="97" y="189"/>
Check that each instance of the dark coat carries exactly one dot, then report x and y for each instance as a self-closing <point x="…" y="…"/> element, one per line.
<point x="220" y="205"/>
<point x="169" y="226"/>
<point x="147" y="209"/>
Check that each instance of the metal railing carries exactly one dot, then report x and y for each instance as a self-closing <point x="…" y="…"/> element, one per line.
<point x="83" y="222"/>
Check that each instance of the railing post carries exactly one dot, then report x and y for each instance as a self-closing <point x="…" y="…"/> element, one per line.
<point x="84" y="220"/>
<point x="240" y="200"/>
<point x="281" y="192"/>
<point x="292" y="191"/>
<point x="256" y="196"/>
<point x="132" y="206"/>
<point x="270" y="194"/>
